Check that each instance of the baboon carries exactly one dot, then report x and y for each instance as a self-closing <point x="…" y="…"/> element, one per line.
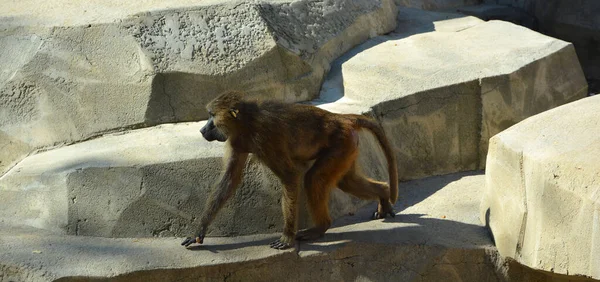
<point x="287" y="138"/>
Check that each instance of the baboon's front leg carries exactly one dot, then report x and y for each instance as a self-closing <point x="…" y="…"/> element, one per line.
<point x="225" y="188"/>
<point x="289" y="207"/>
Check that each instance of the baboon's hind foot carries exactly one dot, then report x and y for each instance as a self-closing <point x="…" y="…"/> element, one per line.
<point x="384" y="209"/>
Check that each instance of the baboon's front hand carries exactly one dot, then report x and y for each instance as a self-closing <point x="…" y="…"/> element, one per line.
<point x="189" y="240"/>
<point x="283" y="243"/>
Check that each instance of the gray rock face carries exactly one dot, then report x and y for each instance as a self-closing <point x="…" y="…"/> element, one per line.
<point x="435" y="237"/>
<point x="437" y="105"/>
<point x="407" y="248"/>
<point x="442" y="89"/>
<point x="523" y="4"/>
<point x="68" y="76"/>
<point x="435" y="4"/>
<point x="511" y="14"/>
<point x="542" y="181"/>
<point x="576" y="22"/>
<point x="441" y="85"/>
<point x="573" y="21"/>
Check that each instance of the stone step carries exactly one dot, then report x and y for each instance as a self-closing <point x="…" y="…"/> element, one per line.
<point x="429" y="227"/>
<point x="436" y="236"/>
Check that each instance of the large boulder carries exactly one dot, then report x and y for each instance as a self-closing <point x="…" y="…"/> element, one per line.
<point x="542" y="181"/>
<point x="77" y="72"/>
<point x="443" y="84"/>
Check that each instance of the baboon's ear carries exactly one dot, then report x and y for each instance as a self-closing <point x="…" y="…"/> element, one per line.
<point x="233" y="112"/>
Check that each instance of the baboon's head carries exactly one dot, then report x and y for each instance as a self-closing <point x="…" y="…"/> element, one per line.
<point x="223" y="114"/>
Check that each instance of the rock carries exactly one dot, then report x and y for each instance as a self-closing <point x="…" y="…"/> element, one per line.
<point x="436" y="236"/>
<point x="573" y="21"/>
<point x="523" y="4"/>
<point x="542" y="182"/>
<point x="77" y="72"/>
<point x="511" y="14"/>
<point x="435" y="4"/>
<point x="442" y="89"/>
<point x="415" y="21"/>
<point x="414" y="241"/>
<point x="153" y="181"/>
<point x="576" y="22"/>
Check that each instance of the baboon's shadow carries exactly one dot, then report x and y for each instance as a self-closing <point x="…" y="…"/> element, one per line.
<point x="404" y="228"/>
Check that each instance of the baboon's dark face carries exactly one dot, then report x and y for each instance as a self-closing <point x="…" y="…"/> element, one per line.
<point x="223" y="117"/>
<point x="211" y="132"/>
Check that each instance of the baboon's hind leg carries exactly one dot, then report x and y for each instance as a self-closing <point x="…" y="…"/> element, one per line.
<point x="321" y="178"/>
<point x="365" y="188"/>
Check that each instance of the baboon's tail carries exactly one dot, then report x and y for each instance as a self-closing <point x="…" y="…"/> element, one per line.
<point x="370" y="124"/>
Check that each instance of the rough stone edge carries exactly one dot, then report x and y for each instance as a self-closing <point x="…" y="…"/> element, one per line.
<point x="441" y="262"/>
<point x="568" y="98"/>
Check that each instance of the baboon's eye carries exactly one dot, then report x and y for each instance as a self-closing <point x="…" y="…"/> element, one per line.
<point x="211" y="114"/>
<point x="234" y="112"/>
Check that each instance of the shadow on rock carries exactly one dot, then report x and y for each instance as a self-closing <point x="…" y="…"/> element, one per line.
<point x="405" y="229"/>
<point x="216" y="248"/>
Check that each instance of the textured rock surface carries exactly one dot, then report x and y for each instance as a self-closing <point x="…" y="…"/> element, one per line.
<point x="441" y="85"/>
<point x="442" y="88"/>
<point x="574" y="21"/>
<point x="522" y="4"/>
<point x="431" y="100"/>
<point x="435" y="237"/>
<point x="75" y="72"/>
<point x="542" y="190"/>
<point x="150" y="182"/>
<point x="577" y="22"/>
<point x="435" y="4"/>
<point x="428" y="238"/>
<point x="511" y="14"/>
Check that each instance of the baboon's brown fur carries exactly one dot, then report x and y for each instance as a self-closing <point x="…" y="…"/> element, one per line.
<point x="286" y="138"/>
